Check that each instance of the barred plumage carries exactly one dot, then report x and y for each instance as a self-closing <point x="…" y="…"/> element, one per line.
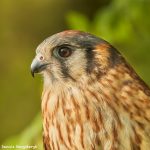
<point x="92" y="99"/>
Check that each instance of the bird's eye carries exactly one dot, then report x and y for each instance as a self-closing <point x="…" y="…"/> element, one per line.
<point x="64" y="52"/>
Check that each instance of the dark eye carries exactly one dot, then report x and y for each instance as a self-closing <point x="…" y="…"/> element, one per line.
<point x="64" y="52"/>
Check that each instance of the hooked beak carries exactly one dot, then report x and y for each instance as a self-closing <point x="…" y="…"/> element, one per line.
<point x="37" y="66"/>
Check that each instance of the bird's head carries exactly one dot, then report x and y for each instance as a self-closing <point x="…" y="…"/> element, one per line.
<point x="71" y="55"/>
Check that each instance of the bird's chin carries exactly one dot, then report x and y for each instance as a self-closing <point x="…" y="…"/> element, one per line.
<point x="49" y="78"/>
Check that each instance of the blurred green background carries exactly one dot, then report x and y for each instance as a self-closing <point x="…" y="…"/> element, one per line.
<point x="25" y="23"/>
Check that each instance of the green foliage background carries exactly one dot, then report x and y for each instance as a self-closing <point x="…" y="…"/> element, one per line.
<point x="24" y="24"/>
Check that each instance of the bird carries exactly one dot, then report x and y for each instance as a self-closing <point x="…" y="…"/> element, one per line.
<point x="92" y="98"/>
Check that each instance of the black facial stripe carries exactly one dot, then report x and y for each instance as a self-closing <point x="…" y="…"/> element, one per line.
<point x="90" y="59"/>
<point x="115" y="57"/>
<point x="65" y="70"/>
<point x="91" y="62"/>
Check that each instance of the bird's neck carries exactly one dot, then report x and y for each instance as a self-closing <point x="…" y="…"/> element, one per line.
<point x="96" y="108"/>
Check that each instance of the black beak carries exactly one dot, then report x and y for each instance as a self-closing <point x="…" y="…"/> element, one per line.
<point x="37" y="67"/>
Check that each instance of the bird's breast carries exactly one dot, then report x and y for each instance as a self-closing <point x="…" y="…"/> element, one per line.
<point x="78" y="119"/>
<point x="94" y="117"/>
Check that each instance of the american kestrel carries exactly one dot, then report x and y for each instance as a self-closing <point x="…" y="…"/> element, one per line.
<point x="92" y="98"/>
